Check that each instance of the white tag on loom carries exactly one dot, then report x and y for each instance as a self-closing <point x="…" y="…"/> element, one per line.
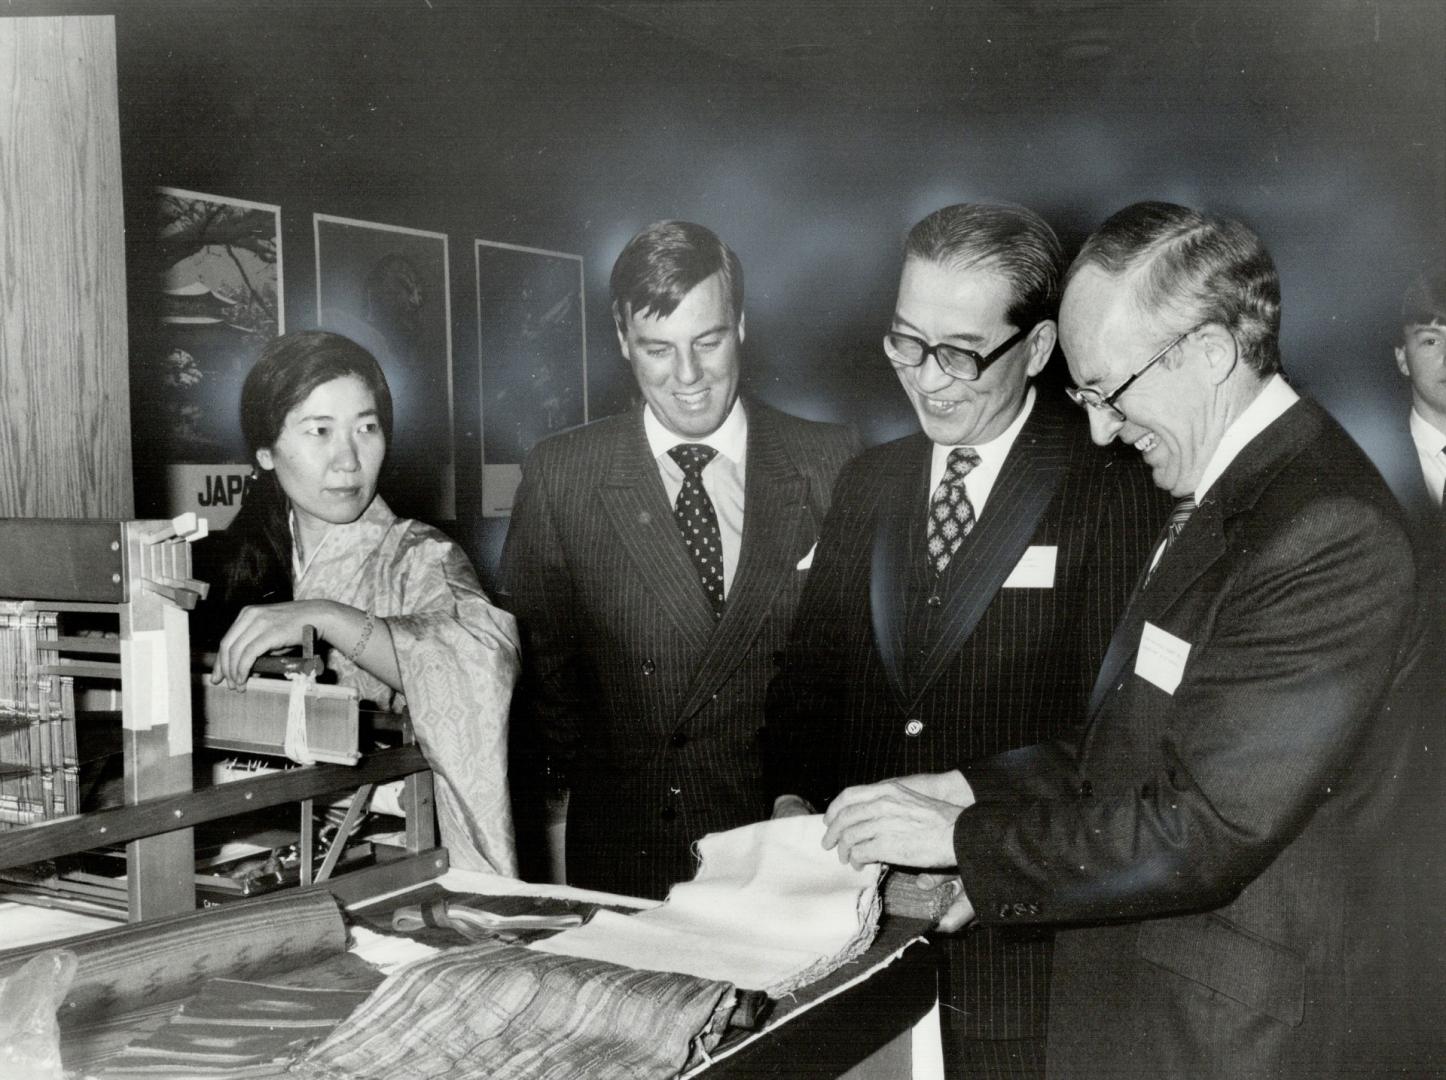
<point x="1161" y="659"/>
<point x="1035" y="569"/>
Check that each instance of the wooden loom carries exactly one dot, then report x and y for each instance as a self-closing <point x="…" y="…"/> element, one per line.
<point x="129" y="582"/>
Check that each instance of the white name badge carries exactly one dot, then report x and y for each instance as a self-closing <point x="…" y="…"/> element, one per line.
<point x="1035" y="570"/>
<point x="1161" y="659"/>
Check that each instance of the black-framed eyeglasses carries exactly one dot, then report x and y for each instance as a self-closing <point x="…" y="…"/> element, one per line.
<point x="906" y="350"/>
<point x="1087" y="397"/>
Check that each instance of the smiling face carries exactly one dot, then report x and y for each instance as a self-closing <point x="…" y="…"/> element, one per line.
<point x="1422" y="359"/>
<point x="329" y="454"/>
<point x="687" y="363"/>
<point x="1173" y="413"/>
<point x="965" y="307"/>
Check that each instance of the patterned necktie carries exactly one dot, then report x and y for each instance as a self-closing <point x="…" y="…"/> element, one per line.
<point x="1178" y="516"/>
<point x="698" y="522"/>
<point x="951" y="514"/>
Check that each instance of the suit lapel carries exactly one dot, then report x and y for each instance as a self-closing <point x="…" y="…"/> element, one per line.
<point x="777" y="530"/>
<point x="1202" y="542"/>
<point x="1032" y="473"/>
<point x="898" y="537"/>
<point x="631" y="491"/>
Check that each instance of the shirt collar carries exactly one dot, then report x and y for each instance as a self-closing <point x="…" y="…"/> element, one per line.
<point x="1429" y="439"/>
<point x="1269" y="405"/>
<point x="993" y="452"/>
<point x="730" y="440"/>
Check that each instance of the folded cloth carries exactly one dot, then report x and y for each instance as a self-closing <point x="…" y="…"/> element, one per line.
<point x="234" y="1029"/>
<point x="505" y="1012"/>
<point x="769" y="909"/>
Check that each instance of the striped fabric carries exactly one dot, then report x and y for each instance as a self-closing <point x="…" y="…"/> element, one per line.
<point x="894" y="670"/>
<point x="234" y="1029"/>
<point x="503" y="1012"/>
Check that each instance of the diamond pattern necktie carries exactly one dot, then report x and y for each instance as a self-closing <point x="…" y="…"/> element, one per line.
<point x="698" y="521"/>
<point x="951" y="514"/>
<point x="1178" y="516"/>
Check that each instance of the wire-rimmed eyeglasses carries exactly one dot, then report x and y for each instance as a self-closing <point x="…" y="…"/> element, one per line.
<point x="906" y="350"/>
<point x="1087" y="397"/>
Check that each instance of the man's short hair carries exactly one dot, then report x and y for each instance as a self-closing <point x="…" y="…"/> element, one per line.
<point x="1214" y="268"/>
<point x="664" y="263"/>
<point x="1016" y="242"/>
<point x="1425" y="300"/>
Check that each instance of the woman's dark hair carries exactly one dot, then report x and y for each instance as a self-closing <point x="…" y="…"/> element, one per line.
<point x="253" y="564"/>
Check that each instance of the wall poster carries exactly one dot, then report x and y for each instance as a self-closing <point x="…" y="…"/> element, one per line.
<point x="221" y="302"/>
<point x="388" y="288"/>
<point x="532" y="349"/>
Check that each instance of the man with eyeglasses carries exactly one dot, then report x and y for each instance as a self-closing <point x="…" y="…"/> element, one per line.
<point x="1215" y="845"/>
<point x="966" y="580"/>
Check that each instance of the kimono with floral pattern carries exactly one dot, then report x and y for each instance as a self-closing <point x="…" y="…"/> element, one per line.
<point x="458" y="658"/>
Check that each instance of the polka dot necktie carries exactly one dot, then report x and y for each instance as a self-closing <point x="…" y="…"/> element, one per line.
<point x="698" y="522"/>
<point x="951" y="514"/>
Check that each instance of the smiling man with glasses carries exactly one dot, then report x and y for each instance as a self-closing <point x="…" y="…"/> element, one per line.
<point x="1218" y="842"/>
<point x="967" y="579"/>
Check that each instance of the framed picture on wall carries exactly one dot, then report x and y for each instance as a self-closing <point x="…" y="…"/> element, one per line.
<point x="532" y="348"/>
<point x="388" y="288"/>
<point x="221" y="302"/>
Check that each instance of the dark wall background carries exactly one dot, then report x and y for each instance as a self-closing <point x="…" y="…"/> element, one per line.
<point x="569" y="126"/>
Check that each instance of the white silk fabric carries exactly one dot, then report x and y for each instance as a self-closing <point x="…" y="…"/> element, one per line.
<point x="458" y="657"/>
<point x="769" y="909"/>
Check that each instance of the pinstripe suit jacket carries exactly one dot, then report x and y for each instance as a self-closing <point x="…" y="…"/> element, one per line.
<point x="881" y="682"/>
<point x="1223" y="849"/>
<point x="650" y="708"/>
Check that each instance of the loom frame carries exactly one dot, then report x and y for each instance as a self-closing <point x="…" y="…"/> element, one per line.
<point x="140" y="571"/>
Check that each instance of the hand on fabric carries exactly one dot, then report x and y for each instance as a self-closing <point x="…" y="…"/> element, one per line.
<point x="893" y="823"/>
<point x="949" y="786"/>
<point x="263" y="628"/>
<point x="791" y="806"/>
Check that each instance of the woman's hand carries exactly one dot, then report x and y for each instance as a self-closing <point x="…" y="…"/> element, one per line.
<point x="264" y="628"/>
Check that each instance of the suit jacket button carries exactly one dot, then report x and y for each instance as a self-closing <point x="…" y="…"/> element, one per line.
<point x="778" y="658"/>
<point x="1086" y="789"/>
<point x="649" y="667"/>
<point x="667" y="813"/>
<point x="1147" y="791"/>
<point x="679" y="738"/>
<point x="913" y="727"/>
<point x="935" y="600"/>
<point x="1005" y="911"/>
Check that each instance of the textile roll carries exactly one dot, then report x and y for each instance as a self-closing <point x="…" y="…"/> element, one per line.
<point x="135" y="966"/>
<point x="504" y="1012"/>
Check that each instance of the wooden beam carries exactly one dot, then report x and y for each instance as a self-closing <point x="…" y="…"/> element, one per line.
<point x="153" y="817"/>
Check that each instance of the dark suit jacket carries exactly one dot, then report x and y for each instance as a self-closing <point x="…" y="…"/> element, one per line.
<point x="651" y="709"/>
<point x="1219" y="848"/>
<point x="881" y="682"/>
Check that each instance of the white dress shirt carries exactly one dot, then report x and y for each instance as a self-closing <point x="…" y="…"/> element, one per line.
<point x="1269" y="405"/>
<point x="980" y="480"/>
<point x="1431" y="449"/>
<point x="722" y="477"/>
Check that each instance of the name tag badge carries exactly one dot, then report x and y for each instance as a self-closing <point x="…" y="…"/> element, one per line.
<point x="1161" y="659"/>
<point x="1035" y="570"/>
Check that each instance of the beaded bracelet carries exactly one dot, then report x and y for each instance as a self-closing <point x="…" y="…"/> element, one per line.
<point x="361" y="643"/>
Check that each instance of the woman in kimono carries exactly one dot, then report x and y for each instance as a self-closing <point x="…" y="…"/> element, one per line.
<point x="396" y="600"/>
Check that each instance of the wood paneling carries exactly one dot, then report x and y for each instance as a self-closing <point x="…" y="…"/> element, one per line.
<point x="64" y="384"/>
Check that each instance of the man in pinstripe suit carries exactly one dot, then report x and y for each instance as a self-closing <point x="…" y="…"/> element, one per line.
<point x="949" y="620"/>
<point x="654" y="561"/>
<point x="1219" y="845"/>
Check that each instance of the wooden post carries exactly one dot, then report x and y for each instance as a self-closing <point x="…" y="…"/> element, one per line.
<point x="65" y="436"/>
